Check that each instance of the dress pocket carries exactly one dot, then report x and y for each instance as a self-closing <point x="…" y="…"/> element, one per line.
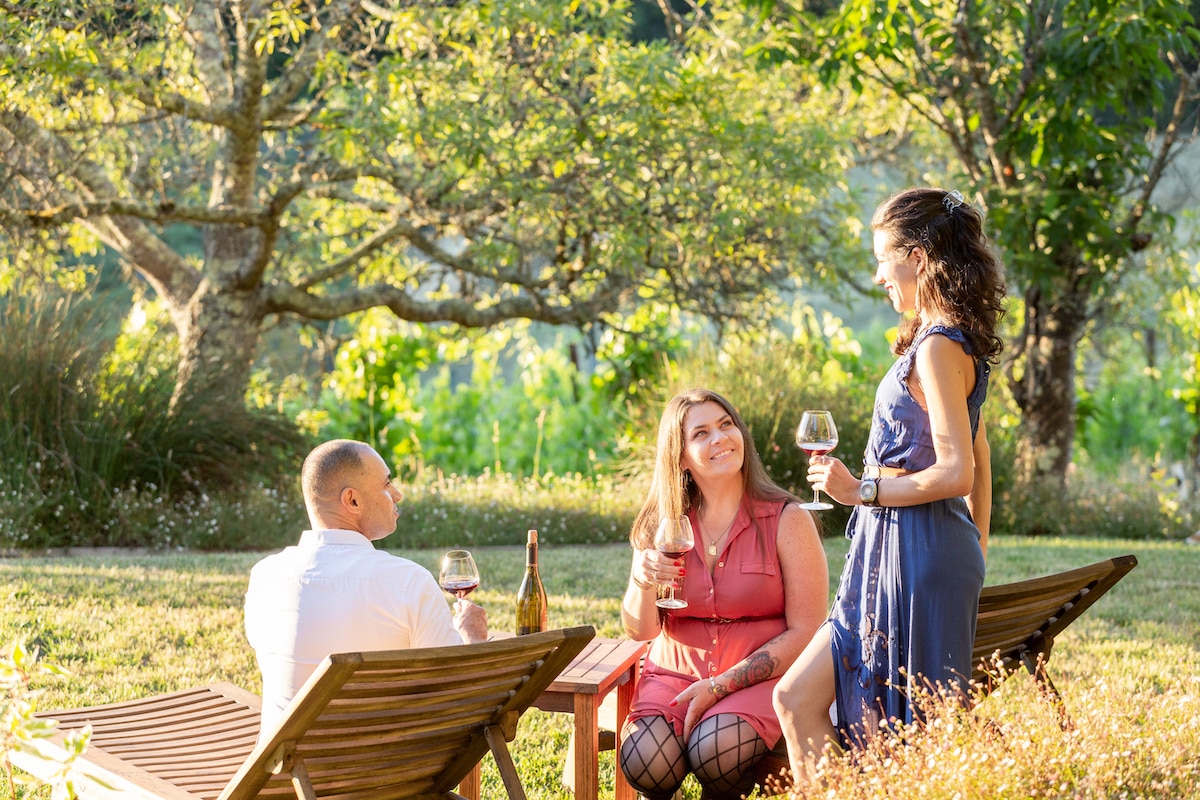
<point x="760" y="568"/>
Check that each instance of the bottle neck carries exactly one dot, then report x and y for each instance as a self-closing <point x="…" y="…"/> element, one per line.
<point x="531" y="556"/>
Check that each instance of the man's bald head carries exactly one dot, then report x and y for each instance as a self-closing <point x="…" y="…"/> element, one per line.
<point x="329" y="469"/>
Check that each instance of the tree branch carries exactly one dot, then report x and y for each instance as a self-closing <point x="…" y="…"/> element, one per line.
<point x="204" y="32"/>
<point x="1032" y="52"/>
<point x="79" y="208"/>
<point x="1189" y="91"/>
<point x="299" y="72"/>
<point x="169" y="273"/>
<point x="352" y="259"/>
<point x="282" y="298"/>
<point x="980" y="89"/>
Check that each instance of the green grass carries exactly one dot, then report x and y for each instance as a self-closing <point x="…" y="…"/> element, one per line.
<point x="128" y="626"/>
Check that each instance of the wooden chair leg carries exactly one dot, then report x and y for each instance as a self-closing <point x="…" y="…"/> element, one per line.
<point x="608" y="741"/>
<point x="472" y="785"/>
<point x="1037" y="668"/>
<point x="301" y="782"/>
<point x="508" y="771"/>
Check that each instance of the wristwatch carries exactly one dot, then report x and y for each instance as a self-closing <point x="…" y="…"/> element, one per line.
<point x="868" y="492"/>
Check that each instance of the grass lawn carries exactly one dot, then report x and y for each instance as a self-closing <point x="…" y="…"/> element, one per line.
<point x="129" y="626"/>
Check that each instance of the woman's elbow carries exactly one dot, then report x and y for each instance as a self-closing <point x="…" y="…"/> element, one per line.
<point x="637" y="629"/>
<point x="957" y="481"/>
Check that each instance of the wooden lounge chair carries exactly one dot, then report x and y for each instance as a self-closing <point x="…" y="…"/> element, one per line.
<point x="1018" y="622"/>
<point x="366" y="726"/>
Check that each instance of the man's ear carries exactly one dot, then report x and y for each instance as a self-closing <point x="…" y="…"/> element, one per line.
<point x="349" y="500"/>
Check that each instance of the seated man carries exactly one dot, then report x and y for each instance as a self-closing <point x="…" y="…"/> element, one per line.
<point x="334" y="592"/>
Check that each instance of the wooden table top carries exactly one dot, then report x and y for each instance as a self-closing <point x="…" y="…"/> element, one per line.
<point x="603" y="664"/>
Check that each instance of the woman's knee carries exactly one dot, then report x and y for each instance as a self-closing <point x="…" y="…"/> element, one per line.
<point x="786" y="699"/>
<point x="783" y="711"/>
<point x="723" y="753"/>
<point x="807" y="688"/>
<point x="652" y="757"/>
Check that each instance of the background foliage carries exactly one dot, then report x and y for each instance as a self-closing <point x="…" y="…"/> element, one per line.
<point x="719" y="166"/>
<point x="91" y="452"/>
<point x="93" y="456"/>
<point x="473" y="162"/>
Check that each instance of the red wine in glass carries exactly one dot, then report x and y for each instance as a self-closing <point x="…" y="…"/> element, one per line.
<point x="673" y="539"/>
<point x="816" y="435"/>
<point x="459" y="575"/>
<point x="460" y="588"/>
<point x="675" y="553"/>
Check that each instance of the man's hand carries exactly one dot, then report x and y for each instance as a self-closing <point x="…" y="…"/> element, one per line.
<point x="470" y="621"/>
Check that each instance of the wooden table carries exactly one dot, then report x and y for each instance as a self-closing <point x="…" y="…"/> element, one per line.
<point x="603" y="665"/>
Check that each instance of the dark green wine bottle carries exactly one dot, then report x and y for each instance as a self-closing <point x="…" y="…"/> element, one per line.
<point x="531" y="597"/>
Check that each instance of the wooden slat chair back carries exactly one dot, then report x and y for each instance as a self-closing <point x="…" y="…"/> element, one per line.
<point x="366" y="726"/>
<point x="1018" y="622"/>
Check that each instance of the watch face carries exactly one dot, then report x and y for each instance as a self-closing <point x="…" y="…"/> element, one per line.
<point x="868" y="490"/>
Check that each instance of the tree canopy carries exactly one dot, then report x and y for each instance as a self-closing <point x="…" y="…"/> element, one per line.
<point x="468" y="163"/>
<point x="1060" y="116"/>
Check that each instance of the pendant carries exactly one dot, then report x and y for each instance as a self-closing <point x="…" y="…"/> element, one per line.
<point x="712" y="549"/>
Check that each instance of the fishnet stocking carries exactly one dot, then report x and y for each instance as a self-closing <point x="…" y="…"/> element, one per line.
<point x="723" y="752"/>
<point x="652" y="757"/>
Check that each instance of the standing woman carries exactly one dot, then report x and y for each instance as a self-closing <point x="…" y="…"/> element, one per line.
<point x="757" y="586"/>
<point x="906" y="606"/>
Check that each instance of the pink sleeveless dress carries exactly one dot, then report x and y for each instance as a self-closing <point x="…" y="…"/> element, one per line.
<point x="730" y="614"/>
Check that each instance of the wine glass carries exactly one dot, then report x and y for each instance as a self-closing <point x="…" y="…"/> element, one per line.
<point x="459" y="576"/>
<point x="673" y="539"/>
<point x="816" y="435"/>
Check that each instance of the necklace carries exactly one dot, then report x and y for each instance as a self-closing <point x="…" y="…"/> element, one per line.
<point x="712" y="545"/>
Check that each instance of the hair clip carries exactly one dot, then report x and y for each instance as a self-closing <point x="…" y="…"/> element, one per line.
<point x="952" y="200"/>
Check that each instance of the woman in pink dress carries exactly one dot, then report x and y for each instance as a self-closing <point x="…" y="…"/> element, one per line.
<point x="757" y="587"/>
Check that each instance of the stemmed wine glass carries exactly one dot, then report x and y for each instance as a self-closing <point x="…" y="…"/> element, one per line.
<point x="459" y="576"/>
<point x="673" y="539"/>
<point x="816" y="435"/>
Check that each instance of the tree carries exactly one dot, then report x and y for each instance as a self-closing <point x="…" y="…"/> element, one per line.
<point x="462" y="162"/>
<point x="1051" y="109"/>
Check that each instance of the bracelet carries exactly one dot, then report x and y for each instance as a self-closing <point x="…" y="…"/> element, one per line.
<point x="712" y="684"/>
<point x="645" y="587"/>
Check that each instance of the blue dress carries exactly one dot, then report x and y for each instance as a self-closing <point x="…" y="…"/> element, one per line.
<point x="909" y="593"/>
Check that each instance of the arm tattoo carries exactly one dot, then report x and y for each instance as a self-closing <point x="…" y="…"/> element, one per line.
<point x="755" y="668"/>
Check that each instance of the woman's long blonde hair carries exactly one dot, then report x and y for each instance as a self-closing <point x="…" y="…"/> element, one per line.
<point x="672" y="492"/>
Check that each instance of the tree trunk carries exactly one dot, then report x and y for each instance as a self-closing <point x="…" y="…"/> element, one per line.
<point x="220" y="323"/>
<point x="217" y="347"/>
<point x="1043" y="384"/>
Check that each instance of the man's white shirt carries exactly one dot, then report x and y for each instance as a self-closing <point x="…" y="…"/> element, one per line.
<point x="335" y="593"/>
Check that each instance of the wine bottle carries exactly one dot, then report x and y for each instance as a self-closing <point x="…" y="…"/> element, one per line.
<point x="531" y="597"/>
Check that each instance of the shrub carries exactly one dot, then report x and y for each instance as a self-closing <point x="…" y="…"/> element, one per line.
<point x="465" y="403"/>
<point x="89" y="423"/>
<point x="1133" y="507"/>
<point x="456" y="511"/>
